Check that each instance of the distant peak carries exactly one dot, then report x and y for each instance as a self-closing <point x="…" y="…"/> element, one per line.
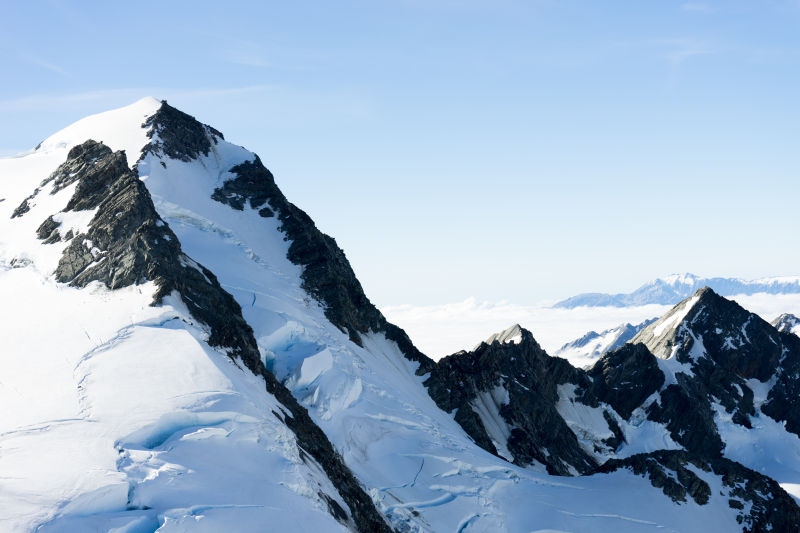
<point x="675" y="287"/>
<point x="786" y="322"/>
<point x="706" y="292"/>
<point x="686" y="278"/>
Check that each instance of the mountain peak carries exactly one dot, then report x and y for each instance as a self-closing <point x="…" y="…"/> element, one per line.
<point x="787" y="323"/>
<point x="148" y="101"/>
<point x="513" y="335"/>
<point x="676" y="279"/>
<point x="659" y="336"/>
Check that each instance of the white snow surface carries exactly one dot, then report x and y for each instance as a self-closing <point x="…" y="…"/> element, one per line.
<point x="118" y="416"/>
<point x="487" y="405"/>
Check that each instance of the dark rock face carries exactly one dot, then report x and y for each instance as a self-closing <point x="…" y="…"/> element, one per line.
<point x="623" y="379"/>
<point x="25" y="206"/>
<point x="327" y="275"/>
<point x="686" y="412"/>
<point x="772" y="508"/>
<point x="783" y="401"/>
<point x="735" y="340"/>
<point x="531" y="378"/>
<point x="128" y="243"/>
<point x="48" y="231"/>
<point x="178" y="135"/>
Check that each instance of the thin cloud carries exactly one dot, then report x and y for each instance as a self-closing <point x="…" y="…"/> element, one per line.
<point x="678" y="51"/>
<point x="439" y="330"/>
<point x="697" y="7"/>
<point x="680" y="56"/>
<point x="116" y="96"/>
<point x="43" y="63"/>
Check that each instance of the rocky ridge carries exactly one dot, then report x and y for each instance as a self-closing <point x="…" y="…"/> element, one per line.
<point x="702" y="357"/>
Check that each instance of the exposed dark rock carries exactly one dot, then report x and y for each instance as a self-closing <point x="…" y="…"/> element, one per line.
<point x="772" y="508"/>
<point x="128" y="243"/>
<point x="618" y="438"/>
<point x="667" y="471"/>
<point x="93" y="164"/>
<point x="623" y="379"/>
<point x="686" y="412"/>
<point x="178" y="135"/>
<point x="25" y="206"/>
<point x="531" y="378"/>
<point x="722" y="346"/>
<point x="48" y="231"/>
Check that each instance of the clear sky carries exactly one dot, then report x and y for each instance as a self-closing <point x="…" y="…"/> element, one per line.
<point x="501" y="150"/>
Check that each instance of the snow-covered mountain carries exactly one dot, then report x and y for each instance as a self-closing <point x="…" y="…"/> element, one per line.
<point x="672" y="289"/>
<point x="135" y="392"/>
<point x="183" y="350"/>
<point x="586" y="350"/>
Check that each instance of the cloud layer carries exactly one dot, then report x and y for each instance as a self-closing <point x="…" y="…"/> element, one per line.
<point x="440" y="330"/>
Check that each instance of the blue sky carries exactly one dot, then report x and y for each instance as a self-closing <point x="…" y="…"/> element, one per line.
<point x="504" y="150"/>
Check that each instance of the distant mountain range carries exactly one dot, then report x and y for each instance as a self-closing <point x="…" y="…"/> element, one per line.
<point x="672" y="289"/>
<point x="586" y="350"/>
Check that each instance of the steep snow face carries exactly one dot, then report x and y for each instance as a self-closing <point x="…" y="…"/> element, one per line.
<point x="119" y="129"/>
<point x="487" y="405"/>
<point x="585" y="351"/>
<point x="131" y="421"/>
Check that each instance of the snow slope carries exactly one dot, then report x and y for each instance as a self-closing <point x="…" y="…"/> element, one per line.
<point x="121" y="416"/>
